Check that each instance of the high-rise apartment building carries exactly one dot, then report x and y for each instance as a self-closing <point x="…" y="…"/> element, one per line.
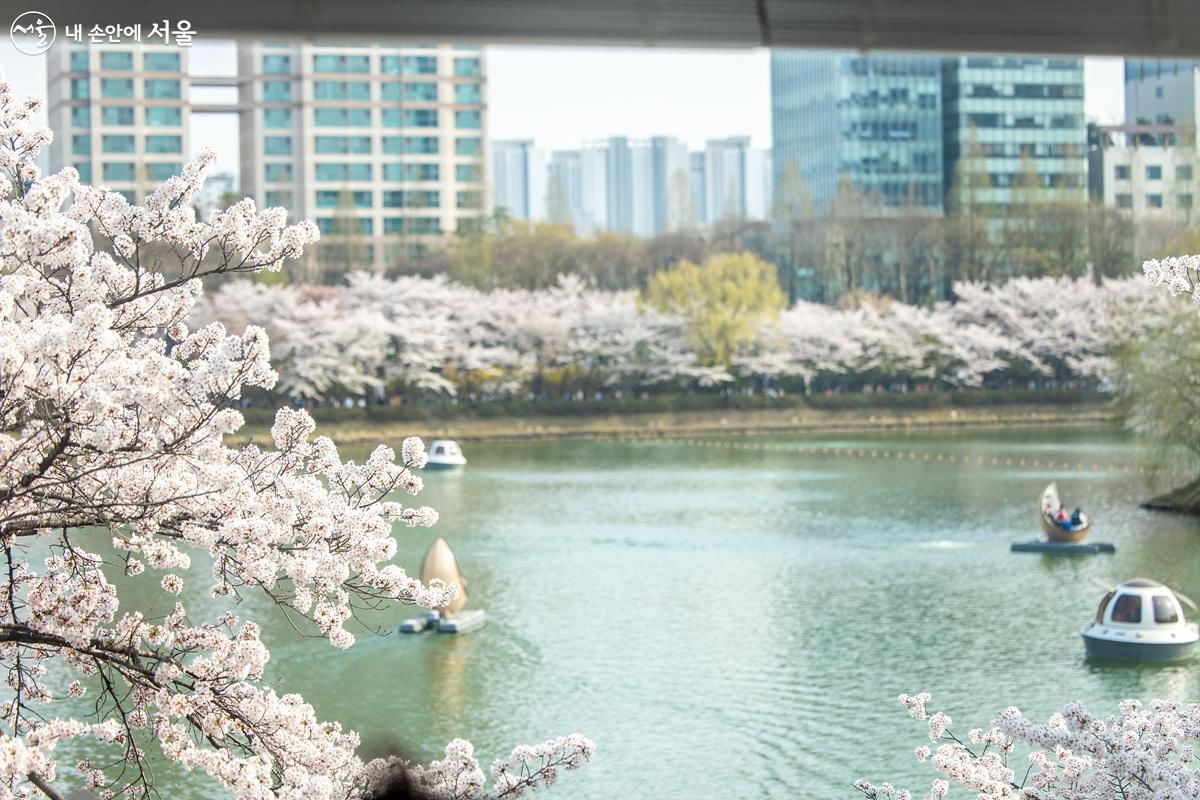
<point x="120" y="114"/>
<point x="519" y="178"/>
<point x="382" y="143"/>
<point x="1015" y="128"/>
<point x="736" y="180"/>
<point x="671" y="190"/>
<point x="564" y="189"/>
<point x="873" y="118"/>
<point x="385" y="143"/>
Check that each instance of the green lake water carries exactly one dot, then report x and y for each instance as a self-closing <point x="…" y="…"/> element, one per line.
<point x="738" y="622"/>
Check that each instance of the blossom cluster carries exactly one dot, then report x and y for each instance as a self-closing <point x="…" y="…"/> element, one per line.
<point x="115" y="414"/>
<point x="437" y="337"/>
<point x="1177" y="273"/>
<point x="1141" y="752"/>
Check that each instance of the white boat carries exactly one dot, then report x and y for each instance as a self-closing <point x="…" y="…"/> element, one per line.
<point x="1141" y="620"/>
<point x="445" y="454"/>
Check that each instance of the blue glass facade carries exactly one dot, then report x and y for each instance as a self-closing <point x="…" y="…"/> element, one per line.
<point x="1006" y="115"/>
<point x="876" y="118"/>
<point x="899" y="125"/>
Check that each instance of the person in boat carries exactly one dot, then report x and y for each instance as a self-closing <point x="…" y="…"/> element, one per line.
<point x="1078" y="519"/>
<point x="1062" y="518"/>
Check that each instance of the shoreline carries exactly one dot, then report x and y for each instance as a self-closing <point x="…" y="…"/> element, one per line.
<point x="716" y="422"/>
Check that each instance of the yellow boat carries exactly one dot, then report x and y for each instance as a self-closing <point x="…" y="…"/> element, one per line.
<point x="439" y="562"/>
<point x="1047" y="508"/>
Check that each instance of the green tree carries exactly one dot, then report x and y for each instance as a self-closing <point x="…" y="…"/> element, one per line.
<point x="723" y="301"/>
<point x="792" y="214"/>
<point x="967" y="233"/>
<point x="1158" y="390"/>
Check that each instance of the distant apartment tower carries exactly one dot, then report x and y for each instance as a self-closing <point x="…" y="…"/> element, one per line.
<point x="875" y="119"/>
<point x="1015" y="120"/>
<point x="1161" y="92"/>
<point x="671" y="189"/>
<point x="564" y="189"/>
<point x="698" y="180"/>
<point x="392" y="137"/>
<point x="519" y="178"/>
<point x="119" y="114"/>
<point x="736" y="180"/>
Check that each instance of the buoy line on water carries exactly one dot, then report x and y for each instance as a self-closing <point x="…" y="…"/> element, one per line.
<point x="903" y="455"/>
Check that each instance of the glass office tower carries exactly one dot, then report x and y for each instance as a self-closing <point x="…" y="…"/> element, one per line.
<point x="875" y="118"/>
<point x="1008" y="117"/>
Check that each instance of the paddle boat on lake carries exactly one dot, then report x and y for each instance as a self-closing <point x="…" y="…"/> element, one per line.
<point x="1141" y="620"/>
<point x="1066" y="531"/>
<point x="439" y="562"/>
<point x="445" y="454"/>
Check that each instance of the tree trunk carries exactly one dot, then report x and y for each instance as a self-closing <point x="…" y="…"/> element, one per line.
<point x="1184" y="500"/>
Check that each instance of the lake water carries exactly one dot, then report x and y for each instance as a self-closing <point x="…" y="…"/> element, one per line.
<point x="737" y="621"/>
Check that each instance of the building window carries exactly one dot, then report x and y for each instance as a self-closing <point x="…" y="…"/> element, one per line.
<point x="410" y="118"/>
<point x="468" y="173"/>
<point x="466" y="67"/>
<point x="81" y="144"/>
<point x="1154" y="201"/>
<point x="410" y="92"/>
<point x="342" y="117"/>
<point x="278" y="173"/>
<point x="332" y="63"/>
<point x="164" y="144"/>
<point x="412" y="199"/>
<point x="410" y="65"/>
<point x="81" y="116"/>
<point x="470" y="200"/>
<point x="1158" y="91"/>
<point x="1183" y="173"/>
<point x="118" y="115"/>
<point x="277" y="91"/>
<point x="412" y="225"/>
<point x="277" y="65"/>
<point x="80" y="89"/>
<point x="467" y="93"/>
<point x="343" y="145"/>
<point x="118" y="61"/>
<point x="410" y="145"/>
<point x="1124" y="201"/>
<point x="341" y="90"/>
<point x="162" y="90"/>
<point x="277" y="118"/>
<point x="161" y="62"/>
<point x="470" y="146"/>
<point x="395" y="173"/>
<point x="277" y="198"/>
<point x="111" y="143"/>
<point x="84" y="169"/>
<point x="469" y="120"/>
<point x="277" y="145"/>
<point x="1154" y="173"/>
<point x="1121" y="172"/>
<point x="333" y="226"/>
<point x="118" y="171"/>
<point x="1183" y="201"/>
<point x="162" y="171"/>
<point x="119" y="88"/>
<point x="79" y="61"/>
<point x="164" y="117"/>
<point x="327" y="198"/>
<point x="343" y="172"/>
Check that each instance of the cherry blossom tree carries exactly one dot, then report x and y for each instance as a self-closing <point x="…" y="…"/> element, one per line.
<point x="114" y="415"/>
<point x="1137" y="754"/>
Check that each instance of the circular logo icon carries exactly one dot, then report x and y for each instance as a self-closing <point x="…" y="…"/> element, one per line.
<point x="33" y="32"/>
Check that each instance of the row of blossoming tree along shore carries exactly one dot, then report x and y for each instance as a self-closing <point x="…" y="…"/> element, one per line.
<point x="432" y="338"/>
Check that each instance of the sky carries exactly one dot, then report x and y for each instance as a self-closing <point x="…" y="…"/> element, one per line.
<point x="564" y="96"/>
